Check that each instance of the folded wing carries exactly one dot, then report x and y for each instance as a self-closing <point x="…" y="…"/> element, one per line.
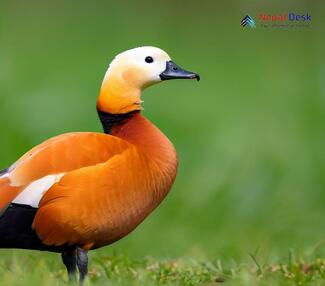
<point x="49" y="161"/>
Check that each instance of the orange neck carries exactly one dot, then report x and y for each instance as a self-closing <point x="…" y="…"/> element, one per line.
<point x="152" y="143"/>
<point x="141" y="132"/>
<point x="118" y="97"/>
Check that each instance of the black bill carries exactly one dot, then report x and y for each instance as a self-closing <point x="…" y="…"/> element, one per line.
<point x="173" y="71"/>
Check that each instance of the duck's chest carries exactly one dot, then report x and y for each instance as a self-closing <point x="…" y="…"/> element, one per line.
<point x="127" y="201"/>
<point x="137" y="181"/>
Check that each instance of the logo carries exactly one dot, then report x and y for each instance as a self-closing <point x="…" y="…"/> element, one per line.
<point x="278" y="20"/>
<point x="284" y="17"/>
<point x="248" y="21"/>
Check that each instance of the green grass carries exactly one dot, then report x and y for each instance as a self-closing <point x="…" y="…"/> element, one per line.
<point x="122" y="270"/>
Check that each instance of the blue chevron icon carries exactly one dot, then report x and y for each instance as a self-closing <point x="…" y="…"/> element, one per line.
<point x="248" y="21"/>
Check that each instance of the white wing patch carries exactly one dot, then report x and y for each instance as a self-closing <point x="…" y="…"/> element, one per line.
<point x="33" y="193"/>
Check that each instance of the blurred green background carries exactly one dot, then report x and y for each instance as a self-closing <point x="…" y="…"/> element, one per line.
<point x="250" y="135"/>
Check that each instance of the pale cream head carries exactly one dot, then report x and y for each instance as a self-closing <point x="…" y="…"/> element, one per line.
<point x="139" y="66"/>
<point x="132" y="71"/>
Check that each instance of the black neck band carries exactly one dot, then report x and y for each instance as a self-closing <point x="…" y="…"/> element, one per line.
<point x="110" y="120"/>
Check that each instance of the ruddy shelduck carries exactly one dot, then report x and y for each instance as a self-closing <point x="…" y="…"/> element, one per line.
<point x="83" y="190"/>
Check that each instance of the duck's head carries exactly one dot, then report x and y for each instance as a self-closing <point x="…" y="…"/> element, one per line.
<point x="132" y="71"/>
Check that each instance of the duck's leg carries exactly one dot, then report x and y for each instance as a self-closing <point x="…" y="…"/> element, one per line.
<point x="69" y="258"/>
<point x="82" y="263"/>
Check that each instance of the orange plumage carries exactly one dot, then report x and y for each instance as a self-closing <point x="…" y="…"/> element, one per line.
<point x="96" y="205"/>
<point x="92" y="189"/>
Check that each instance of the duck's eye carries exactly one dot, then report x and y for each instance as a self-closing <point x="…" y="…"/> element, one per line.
<point x="149" y="60"/>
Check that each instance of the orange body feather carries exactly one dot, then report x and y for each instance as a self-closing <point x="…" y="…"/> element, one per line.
<point x="111" y="182"/>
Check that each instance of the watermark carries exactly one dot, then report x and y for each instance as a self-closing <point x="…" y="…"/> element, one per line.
<point x="278" y="20"/>
<point x="248" y="21"/>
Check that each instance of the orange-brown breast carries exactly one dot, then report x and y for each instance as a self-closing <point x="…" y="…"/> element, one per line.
<point x="96" y="205"/>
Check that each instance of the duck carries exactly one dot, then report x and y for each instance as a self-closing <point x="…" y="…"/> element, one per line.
<point x="81" y="191"/>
